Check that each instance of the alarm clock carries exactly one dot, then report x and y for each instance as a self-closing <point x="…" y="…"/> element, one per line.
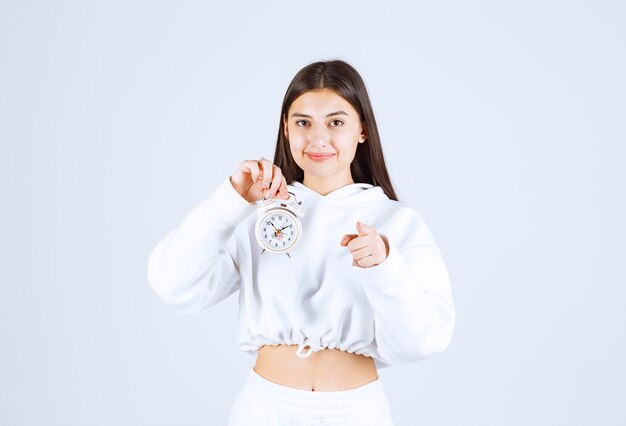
<point x="278" y="228"/>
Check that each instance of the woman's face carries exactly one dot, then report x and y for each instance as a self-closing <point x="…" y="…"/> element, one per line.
<point x="322" y="122"/>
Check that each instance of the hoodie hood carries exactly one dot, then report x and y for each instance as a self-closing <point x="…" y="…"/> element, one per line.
<point x="351" y="194"/>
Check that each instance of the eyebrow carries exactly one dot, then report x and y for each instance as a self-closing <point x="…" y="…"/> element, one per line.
<point x="298" y="114"/>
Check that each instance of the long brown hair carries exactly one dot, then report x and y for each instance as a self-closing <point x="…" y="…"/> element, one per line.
<point x="368" y="165"/>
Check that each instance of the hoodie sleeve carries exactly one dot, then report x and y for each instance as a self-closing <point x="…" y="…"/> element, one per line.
<point x="195" y="265"/>
<point x="414" y="312"/>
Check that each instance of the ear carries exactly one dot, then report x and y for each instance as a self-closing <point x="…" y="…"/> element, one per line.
<point x="363" y="136"/>
<point x="286" y="131"/>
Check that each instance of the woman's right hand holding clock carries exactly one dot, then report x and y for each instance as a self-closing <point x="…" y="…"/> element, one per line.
<point x="260" y="179"/>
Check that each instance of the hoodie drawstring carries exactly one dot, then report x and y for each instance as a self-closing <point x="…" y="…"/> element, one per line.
<point x="302" y="346"/>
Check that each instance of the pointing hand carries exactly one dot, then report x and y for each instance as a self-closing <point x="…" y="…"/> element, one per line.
<point x="367" y="247"/>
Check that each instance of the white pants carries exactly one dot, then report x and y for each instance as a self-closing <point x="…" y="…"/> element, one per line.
<point x="262" y="402"/>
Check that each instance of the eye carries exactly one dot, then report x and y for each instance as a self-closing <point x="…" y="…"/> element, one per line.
<point x="305" y="121"/>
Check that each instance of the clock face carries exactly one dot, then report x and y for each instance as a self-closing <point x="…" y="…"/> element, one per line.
<point x="277" y="230"/>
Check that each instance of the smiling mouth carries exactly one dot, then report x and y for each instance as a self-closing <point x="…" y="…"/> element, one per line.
<point x="319" y="157"/>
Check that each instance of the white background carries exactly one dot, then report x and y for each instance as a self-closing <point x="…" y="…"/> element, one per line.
<point x="503" y="123"/>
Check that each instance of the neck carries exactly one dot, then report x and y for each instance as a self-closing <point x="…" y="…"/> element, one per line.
<point x="324" y="185"/>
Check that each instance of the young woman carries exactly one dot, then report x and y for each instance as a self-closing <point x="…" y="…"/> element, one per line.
<point x="365" y="287"/>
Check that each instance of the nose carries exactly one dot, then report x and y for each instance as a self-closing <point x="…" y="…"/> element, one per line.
<point x="319" y="136"/>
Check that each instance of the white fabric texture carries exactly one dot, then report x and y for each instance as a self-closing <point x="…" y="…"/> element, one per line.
<point x="398" y="311"/>
<point x="264" y="403"/>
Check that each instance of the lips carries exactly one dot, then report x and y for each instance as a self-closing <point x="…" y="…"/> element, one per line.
<point x="319" y="156"/>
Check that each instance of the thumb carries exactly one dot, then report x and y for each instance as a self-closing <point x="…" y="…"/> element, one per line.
<point x="363" y="229"/>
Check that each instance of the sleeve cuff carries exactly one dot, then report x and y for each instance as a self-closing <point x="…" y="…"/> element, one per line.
<point x="386" y="273"/>
<point x="226" y="197"/>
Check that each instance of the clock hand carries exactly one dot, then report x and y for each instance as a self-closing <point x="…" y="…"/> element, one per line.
<point x="286" y="226"/>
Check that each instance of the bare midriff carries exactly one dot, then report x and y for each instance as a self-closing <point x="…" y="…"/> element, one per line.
<point x="324" y="371"/>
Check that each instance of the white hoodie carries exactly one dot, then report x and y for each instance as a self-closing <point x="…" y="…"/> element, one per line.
<point x="398" y="311"/>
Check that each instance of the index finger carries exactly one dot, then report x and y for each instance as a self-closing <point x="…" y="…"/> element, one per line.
<point x="267" y="171"/>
